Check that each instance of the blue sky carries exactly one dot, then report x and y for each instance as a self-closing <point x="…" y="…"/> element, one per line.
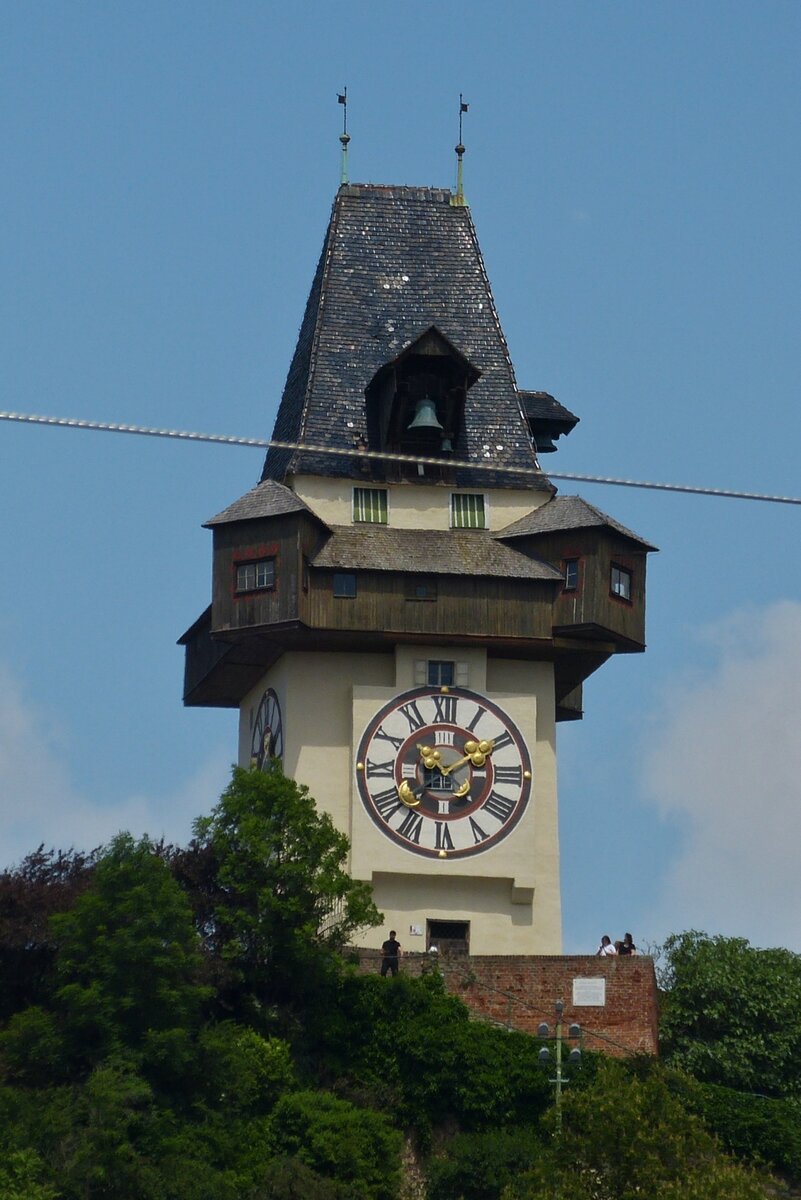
<point x="634" y="176"/>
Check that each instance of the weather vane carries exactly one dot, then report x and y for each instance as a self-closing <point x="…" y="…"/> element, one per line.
<point x="344" y="137"/>
<point x="459" y="197"/>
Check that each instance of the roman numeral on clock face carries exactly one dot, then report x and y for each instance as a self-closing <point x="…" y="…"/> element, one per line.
<point x="478" y="833"/>
<point x="479" y="714"/>
<point x="509" y="775"/>
<point x="410" y="827"/>
<point x="383" y="770"/>
<point x="387" y="803"/>
<point x="498" y="806"/>
<point x="387" y="737"/>
<point x="443" y="837"/>
<point x="413" y="715"/>
<point x="445" y="709"/>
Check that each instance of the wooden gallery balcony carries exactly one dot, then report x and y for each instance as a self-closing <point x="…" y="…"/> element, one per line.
<point x="286" y="581"/>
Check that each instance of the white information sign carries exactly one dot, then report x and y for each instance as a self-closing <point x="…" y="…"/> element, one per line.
<point x="589" y="992"/>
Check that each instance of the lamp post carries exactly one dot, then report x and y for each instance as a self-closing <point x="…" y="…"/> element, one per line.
<point x="574" y="1057"/>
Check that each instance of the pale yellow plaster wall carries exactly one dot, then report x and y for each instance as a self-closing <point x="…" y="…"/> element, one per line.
<point x="413" y="505"/>
<point x="510" y="892"/>
<point x="314" y="691"/>
<point x="497" y="926"/>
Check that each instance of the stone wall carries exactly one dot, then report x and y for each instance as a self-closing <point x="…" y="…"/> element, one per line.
<point x="520" y="991"/>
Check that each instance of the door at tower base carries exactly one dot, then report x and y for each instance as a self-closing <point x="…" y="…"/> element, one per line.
<point x="447" y="791"/>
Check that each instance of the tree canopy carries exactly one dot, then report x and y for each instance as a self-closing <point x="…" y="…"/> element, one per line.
<point x="731" y="1013"/>
<point x="268" y="876"/>
<point x="185" y="1027"/>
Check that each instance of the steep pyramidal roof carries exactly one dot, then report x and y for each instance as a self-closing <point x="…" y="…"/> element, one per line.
<point x="397" y="260"/>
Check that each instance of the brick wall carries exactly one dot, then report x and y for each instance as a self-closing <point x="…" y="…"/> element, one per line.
<point x="520" y="992"/>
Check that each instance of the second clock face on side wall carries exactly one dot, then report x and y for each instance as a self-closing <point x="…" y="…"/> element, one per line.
<point x="443" y="772"/>
<point x="267" y="739"/>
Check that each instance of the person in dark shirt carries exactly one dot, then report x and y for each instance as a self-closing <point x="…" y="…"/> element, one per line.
<point x="391" y="951"/>
<point x="628" y="946"/>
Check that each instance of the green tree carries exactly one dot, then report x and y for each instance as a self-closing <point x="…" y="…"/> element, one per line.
<point x="242" y="1071"/>
<point x="22" y="1177"/>
<point x="128" y="961"/>
<point x="478" y="1166"/>
<point x="274" y="895"/>
<point x="291" y="1179"/>
<point x="731" y="1014"/>
<point x="354" y="1146"/>
<point x="626" y="1136"/>
<point x="407" y="1047"/>
<point x="44" y="883"/>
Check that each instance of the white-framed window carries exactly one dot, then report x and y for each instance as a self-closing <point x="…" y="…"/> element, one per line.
<point x="256" y="576"/>
<point x="370" y="506"/>
<point x="468" y="510"/>
<point x="436" y="671"/>
<point x="620" y="582"/>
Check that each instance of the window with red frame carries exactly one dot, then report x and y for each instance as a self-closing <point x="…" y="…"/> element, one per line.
<point x="256" y="576"/>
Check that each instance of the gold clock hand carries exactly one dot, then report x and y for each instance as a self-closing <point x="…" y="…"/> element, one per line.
<point x="431" y="758"/>
<point x="477" y="756"/>
<point x="410" y="796"/>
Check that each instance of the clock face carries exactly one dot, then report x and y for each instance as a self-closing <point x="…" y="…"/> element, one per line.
<point x="267" y="741"/>
<point x="443" y="772"/>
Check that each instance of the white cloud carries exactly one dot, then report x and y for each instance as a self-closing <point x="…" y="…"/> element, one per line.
<point x="40" y="803"/>
<point x="727" y="765"/>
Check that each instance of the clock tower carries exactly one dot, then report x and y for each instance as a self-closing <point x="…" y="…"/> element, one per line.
<point x="403" y="608"/>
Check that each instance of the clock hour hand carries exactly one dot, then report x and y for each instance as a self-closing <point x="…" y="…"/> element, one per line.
<point x="410" y="796"/>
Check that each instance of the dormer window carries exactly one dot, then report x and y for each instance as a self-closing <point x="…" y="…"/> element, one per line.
<point x="415" y="403"/>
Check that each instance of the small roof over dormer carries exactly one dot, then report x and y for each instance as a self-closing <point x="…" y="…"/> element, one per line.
<point x="267" y="499"/>
<point x="565" y="513"/>
<point x="397" y="261"/>
<point x="432" y="343"/>
<point x="547" y="419"/>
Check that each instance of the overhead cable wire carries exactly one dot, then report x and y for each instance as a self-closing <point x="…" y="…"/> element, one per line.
<point x="389" y="456"/>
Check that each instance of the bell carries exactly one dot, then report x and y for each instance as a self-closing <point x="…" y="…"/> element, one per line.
<point x="425" y="416"/>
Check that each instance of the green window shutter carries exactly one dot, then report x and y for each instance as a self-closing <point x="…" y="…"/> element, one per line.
<point x="370" y="506"/>
<point x="467" y="510"/>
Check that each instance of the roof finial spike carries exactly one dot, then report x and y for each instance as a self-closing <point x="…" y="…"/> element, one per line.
<point x="459" y="199"/>
<point x="344" y="137"/>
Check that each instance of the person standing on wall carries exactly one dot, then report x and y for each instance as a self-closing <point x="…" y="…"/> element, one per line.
<point x="391" y="950"/>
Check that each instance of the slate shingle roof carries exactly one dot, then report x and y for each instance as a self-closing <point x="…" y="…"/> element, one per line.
<point x="397" y="260"/>
<point x="541" y="406"/>
<point x="267" y="499"/>
<point x="565" y="513"/>
<point x="438" y="552"/>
